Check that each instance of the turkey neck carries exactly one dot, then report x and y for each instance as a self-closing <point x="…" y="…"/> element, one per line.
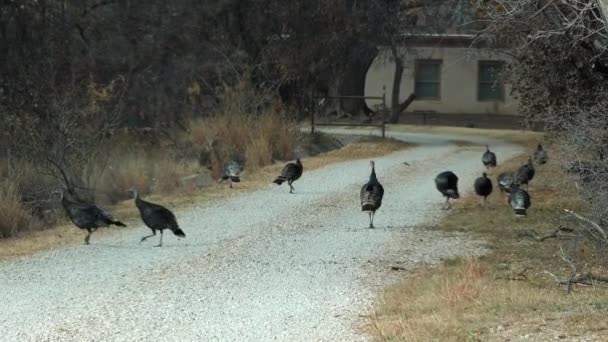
<point x="372" y="176"/>
<point x="138" y="202"/>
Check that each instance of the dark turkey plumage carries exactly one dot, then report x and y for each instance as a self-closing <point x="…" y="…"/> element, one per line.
<point x="447" y="184"/>
<point x="488" y="158"/>
<point x="519" y="200"/>
<point x="525" y="173"/>
<point x="371" y="195"/>
<point x="540" y="155"/>
<point x="87" y="216"/>
<point x="232" y="170"/>
<point x="290" y="173"/>
<point x="505" y="180"/>
<point x="156" y="217"/>
<point x="483" y="186"/>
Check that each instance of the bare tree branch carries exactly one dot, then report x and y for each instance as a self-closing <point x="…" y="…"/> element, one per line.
<point x="596" y="226"/>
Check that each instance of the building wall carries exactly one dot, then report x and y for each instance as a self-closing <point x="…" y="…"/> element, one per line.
<point x="459" y="80"/>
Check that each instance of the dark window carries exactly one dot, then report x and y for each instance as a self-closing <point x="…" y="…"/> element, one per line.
<point x="490" y="86"/>
<point x="428" y="79"/>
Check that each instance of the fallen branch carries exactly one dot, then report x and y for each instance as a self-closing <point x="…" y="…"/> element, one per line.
<point x="581" y="279"/>
<point x="398" y="268"/>
<point x="596" y="226"/>
<point x="587" y="278"/>
<point x="540" y="238"/>
<point x="568" y="283"/>
<point x="520" y="276"/>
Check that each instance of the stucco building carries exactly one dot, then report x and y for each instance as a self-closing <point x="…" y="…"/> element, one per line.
<point x="447" y="72"/>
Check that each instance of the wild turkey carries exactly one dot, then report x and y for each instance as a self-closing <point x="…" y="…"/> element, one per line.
<point x="371" y="195"/>
<point x="540" y="155"/>
<point x="525" y="173"/>
<point x="447" y="184"/>
<point x="483" y="186"/>
<point x="86" y="216"/>
<point x="488" y="158"/>
<point x="505" y="180"/>
<point x="290" y="173"/>
<point x="232" y="171"/>
<point x="156" y="217"/>
<point x="519" y="200"/>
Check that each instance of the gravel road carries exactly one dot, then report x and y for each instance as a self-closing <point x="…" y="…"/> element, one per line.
<point x="263" y="266"/>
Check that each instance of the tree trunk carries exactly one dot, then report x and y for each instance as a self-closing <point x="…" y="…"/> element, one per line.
<point x="396" y="90"/>
<point x="396" y="107"/>
<point x="351" y="82"/>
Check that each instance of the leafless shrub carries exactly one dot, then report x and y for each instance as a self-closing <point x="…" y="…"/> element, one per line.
<point x="579" y="136"/>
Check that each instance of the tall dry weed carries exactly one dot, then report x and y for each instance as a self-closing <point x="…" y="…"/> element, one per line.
<point x="255" y="140"/>
<point x="14" y="217"/>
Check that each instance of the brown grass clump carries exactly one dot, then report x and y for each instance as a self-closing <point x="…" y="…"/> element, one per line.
<point x="14" y="217"/>
<point x="465" y="301"/>
<point x="255" y="140"/>
<point x="503" y="295"/>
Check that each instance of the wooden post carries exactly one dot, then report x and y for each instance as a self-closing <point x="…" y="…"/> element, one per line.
<point x="384" y="111"/>
<point x="313" y="109"/>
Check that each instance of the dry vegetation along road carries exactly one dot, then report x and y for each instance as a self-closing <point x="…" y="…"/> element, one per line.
<point x="263" y="266"/>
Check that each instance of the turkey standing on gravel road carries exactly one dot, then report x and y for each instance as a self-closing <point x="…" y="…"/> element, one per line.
<point x="156" y="217"/>
<point x="232" y="171"/>
<point x="86" y="216"/>
<point x="290" y="173"/>
<point x="488" y="158"/>
<point x="447" y="183"/>
<point x="483" y="186"/>
<point x="519" y="200"/>
<point x="371" y="195"/>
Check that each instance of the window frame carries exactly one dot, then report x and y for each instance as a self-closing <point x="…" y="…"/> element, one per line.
<point x="417" y="64"/>
<point x="501" y="94"/>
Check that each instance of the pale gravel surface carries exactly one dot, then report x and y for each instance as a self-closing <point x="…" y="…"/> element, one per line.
<point x="265" y="266"/>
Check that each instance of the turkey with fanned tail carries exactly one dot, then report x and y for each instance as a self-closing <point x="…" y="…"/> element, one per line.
<point x="447" y="184"/>
<point x="371" y="195"/>
<point x="232" y="171"/>
<point x="519" y="200"/>
<point x="505" y="180"/>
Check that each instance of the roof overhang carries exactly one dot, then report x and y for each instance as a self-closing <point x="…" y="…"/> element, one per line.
<point x="457" y="40"/>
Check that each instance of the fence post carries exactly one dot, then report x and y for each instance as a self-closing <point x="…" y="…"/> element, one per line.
<point x="384" y="111"/>
<point x="313" y="109"/>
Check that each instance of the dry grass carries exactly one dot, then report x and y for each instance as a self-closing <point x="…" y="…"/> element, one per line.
<point x="255" y="140"/>
<point x="464" y="301"/>
<point x="14" y="217"/>
<point x="503" y="295"/>
<point x="67" y="234"/>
